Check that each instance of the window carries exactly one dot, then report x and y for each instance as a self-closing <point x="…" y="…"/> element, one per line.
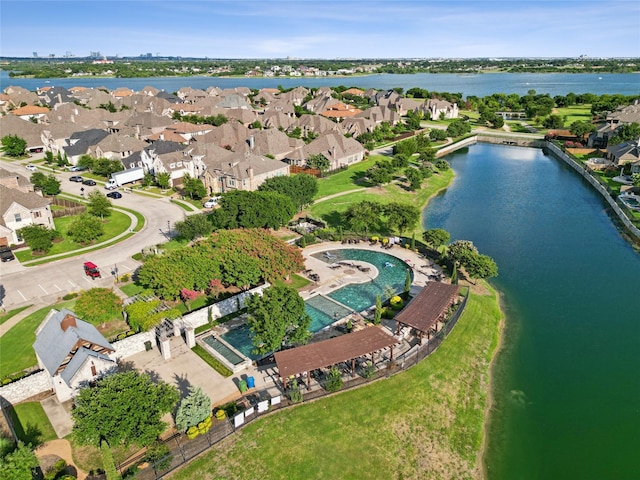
<point x="37" y="214"/>
<point x="17" y="217"/>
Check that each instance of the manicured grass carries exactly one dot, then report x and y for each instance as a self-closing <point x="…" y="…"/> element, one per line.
<point x="423" y="423"/>
<point x="330" y="211"/>
<point x="347" y="179"/>
<point x="575" y="113"/>
<point x="31" y="423"/>
<point x="184" y="204"/>
<point x="16" y="345"/>
<point x="296" y="282"/>
<point x="131" y="289"/>
<point x="114" y="225"/>
<point x="11" y="313"/>
<point x="211" y="361"/>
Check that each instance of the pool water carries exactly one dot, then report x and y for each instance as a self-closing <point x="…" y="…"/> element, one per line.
<point x="223" y="350"/>
<point x="392" y="273"/>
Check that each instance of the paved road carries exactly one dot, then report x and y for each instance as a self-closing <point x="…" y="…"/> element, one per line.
<point x="43" y="284"/>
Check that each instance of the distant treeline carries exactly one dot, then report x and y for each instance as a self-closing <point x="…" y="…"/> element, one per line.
<point x="136" y="67"/>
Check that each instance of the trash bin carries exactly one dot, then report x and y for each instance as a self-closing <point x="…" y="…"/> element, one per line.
<point x="242" y="385"/>
<point x="251" y="382"/>
<point x="147" y="345"/>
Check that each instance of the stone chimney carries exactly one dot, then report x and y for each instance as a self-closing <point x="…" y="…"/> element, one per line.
<point x="68" y="321"/>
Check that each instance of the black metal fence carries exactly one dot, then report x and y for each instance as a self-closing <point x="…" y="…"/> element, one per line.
<point x="182" y="449"/>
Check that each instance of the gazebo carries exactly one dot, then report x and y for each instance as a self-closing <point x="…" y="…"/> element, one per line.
<point x="427" y="308"/>
<point x="330" y="352"/>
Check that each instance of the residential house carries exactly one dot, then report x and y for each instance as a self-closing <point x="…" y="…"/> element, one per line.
<point x="275" y="119"/>
<point x="381" y="114"/>
<point x="190" y="130"/>
<point x="435" y="109"/>
<point x="15" y="181"/>
<point x="624" y="153"/>
<point x="81" y="143"/>
<point x="268" y="142"/>
<point x="313" y="123"/>
<point x="226" y="135"/>
<point x="19" y="208"/>
<point x="55" y="96"/>
<point x="28" y="131"/>
<point x="242" y="171"/>
<point x="339" y="111"/>
<point x="72" y="351"/>
<point x="32" y="113"/>
<point x="356" y="126"/>
<point x="147" y="156"/>
<point x="335" y="147"/>
<point x="176" y="164"/>
<point x="117" y="147"/>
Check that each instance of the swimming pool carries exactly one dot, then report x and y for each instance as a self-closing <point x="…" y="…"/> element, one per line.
<point x="392" y="273"/>
<point x="325" y="310"/>
<point x="231" y="356"/>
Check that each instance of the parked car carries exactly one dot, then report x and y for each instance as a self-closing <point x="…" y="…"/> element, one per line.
<point x="89" y="182"/>
<point x="32" y="168"/>
<point x="6" y="254"/>
<point x="212" y="202"/>
<point x="76" y="178"/>
<point x="77" y="168"/>
<point x="114" y="195"/>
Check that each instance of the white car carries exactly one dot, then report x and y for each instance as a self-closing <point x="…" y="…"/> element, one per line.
<point x="212" y="202"/>
<point x="32" y="168"/>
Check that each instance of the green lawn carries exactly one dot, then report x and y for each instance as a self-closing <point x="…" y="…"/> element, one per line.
<point x="114" y="225"/>
<point x="297" y="282"/>
<point x="11" y="313"/>
<point x="330" y="211"/>
<point x="131" y="289"/>
<point x="31" y="423"/>
<point x="575" y="113"/>
<point x="423" y="423"/>
<point x="347" y="179"/>
<point x="16" y="345"/>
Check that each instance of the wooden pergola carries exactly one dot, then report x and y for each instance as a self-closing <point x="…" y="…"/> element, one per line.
<point x="327" y="353"/>
<point x="427" y="308"/>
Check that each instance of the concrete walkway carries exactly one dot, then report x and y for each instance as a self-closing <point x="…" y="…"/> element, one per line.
<point x="59" y="417"/>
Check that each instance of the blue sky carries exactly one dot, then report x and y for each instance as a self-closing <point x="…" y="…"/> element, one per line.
<point x="322" y="29"/>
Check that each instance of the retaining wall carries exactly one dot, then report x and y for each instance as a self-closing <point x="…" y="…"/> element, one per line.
<point x="27" y="387"/>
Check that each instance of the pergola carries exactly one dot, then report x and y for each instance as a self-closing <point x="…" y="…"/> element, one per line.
<point x="330" y="352"/>
<point x="427" y="308"/>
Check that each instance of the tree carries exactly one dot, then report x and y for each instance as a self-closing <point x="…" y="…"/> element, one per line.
<point x="193" y="409"/>
<point x="85" y="228"/>
<point x="454" y="275"/>
<point x="553" y="121"/>
<point x="242" y="209"/>
<point x="105" y="167"/>
<point x="194" y="226"/>
<point x="188" y="296"/>
<point x="98" y="306"/>
<point x="277" y="318"/>
<point x="318" y="162"/>
<point x="18" y="464"/>
<point x="458" y="127"/>
<point x="625" y="133"/>
<point x="481" y="266"/>
<point x="163" y="179"/>
<point x="299" y="188"/>
<point x="193" y="187"/>
<point x="635" y="178"/>
<point x="377" y="314"/>
<point x="414" y="177"/>
<point x="363" y="216"/>
<point x="436" y="237"/>
<point x="401" y="217"/>
<point x="38" y="237"/>
<point x="14" y="146"/>
<point x="407" y="282"/>
<point x="99" y="205"/>
<point x="123" y="408"/>
<point x="86" y="161"/>
<point x="48" y="184"/>
<point x="461" y="251"/>
<point x="580" y="128"/>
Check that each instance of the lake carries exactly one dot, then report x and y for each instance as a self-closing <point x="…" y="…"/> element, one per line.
<point x="478" y="85"/>
<point x="567" y="382"/>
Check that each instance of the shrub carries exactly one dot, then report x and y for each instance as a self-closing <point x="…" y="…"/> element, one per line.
<point x="396" y="302"/>
<point x="334" y="381"/>
<point x="220" y="414"/>
<point x="367" y="371"/>
<point x="192" y="432"/>
<point x="70" y="295"/>
<point x="295" y="395"/>
<point x="159" y="455"/>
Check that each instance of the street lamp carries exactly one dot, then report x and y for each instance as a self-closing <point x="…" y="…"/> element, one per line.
<point x="169" y="227"/>
<point x="115" y="272"/>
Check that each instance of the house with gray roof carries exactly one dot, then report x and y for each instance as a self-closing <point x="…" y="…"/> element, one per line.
<point x="341" y="151"/>
<point x="623" y="153"/>
<point x="72" y="351"/>
<point x="19" y="209"/>
<point x="80" y="143"/>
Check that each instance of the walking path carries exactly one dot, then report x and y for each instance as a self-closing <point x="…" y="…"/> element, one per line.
<point x="60" y="448"/>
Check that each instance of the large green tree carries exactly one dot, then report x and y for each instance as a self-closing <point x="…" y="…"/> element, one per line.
<point x="18" y="464"/>
<point x="194" y="226"/>
<point x="363" y="217"/>
<point x="401" y="216"/>
<point x="85" y="228"/>
<point x="38" y="237"/>
<point x="193" y="187"/>
<point x="98" y="305"/>
<point x="124" y="409"/>
<point x="318" y="162"/>
<point x="299" y="188"/>
<point x="241" y="209"/>
<point x="625" y="133"/>
<point x="481" y="266"/>
<point x="436" y="237"/>
<point x="13" y="146"/>
<point x="99" y="205"/>
<point x="581" y="128"/>
<point x="461" y="251"/>
<point x="48" y="184"/>
<point x="277" y="318"/>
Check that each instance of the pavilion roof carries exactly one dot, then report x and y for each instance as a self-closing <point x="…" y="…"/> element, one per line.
<point x="426" y="308"/>
<point x="332" y="351"/>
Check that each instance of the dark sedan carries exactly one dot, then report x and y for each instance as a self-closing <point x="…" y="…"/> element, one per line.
<point x="89" y="182"/>
<point x="76" y="178"/>
<point x="114" y="195"/>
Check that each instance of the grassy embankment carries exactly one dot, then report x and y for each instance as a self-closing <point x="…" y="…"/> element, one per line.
<point x="423" y="423"/>
<point x="330" y="211"/>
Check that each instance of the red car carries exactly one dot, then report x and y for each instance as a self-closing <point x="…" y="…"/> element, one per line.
<point x="91" y="270"/>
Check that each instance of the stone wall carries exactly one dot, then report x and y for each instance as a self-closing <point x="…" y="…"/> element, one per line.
<point x="586" y="174"/>
<point x="131" y="345"/>
<point x="25" y="388"/>
<point x="221" y="309"/>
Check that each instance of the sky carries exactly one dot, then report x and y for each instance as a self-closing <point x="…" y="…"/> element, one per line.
<point x="322" y="29"/>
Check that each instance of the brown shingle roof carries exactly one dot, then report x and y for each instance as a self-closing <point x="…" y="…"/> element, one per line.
<point x="424" y="311"/>
<point x="332" y="351"/>
<point x="30" y="110"/>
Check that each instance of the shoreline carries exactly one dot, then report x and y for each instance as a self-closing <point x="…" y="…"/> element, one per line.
<point x="490" y="399"/>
